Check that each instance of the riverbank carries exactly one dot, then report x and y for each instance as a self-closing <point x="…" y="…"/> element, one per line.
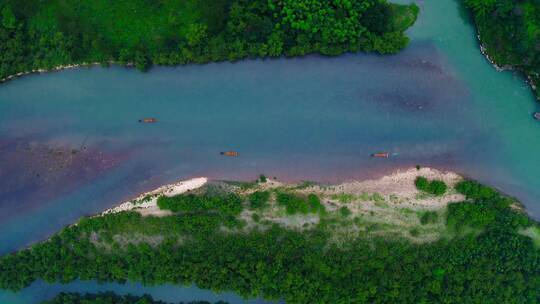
<point x="60" y="68"/>
<point x="509" y="47"/>
<point x="213" y="32"/>
<point x="507" y="67"/>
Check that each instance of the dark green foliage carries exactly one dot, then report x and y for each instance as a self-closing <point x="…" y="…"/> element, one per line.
<point x="315" y="204"/>
<point x="495" y="264"/>
<point x="262" y="178"/>
<point x="38" y="34"/>
<point x="429" y="217"/>
<point x="421" y="183"/>
<point x="259" y="199"/>
<point x="475" y="215"/>
<point x="489" y="209"/>
<point x="475" y="191"/>
<point x="225" y="205"/>
<point x="344" y="211"/>
<point x="110" y="298"/>
<point x="414" y="232"/>
<point x="509" y="32"/>
<point x="435" y="187"/>
<point x="294" y="203"/>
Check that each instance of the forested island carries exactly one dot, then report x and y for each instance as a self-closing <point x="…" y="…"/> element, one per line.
<point x="42" y="35"/>
<point x="509" y="32"/>
<point x="416" y="237"/>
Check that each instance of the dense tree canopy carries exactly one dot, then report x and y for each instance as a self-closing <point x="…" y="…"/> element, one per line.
<point x="510" y="32"/>
<point x="44" y="34"/>
<point x="485" y="258"/>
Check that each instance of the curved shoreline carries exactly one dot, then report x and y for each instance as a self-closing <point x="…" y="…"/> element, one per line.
<point x="483" y="50"/>
<point x="41" y="71"/>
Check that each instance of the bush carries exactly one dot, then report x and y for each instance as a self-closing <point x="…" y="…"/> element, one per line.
<point x="429" y="217"/>
<point x="315" y="204"/>
<point x="469" y="214"/>
<point x="344" y="211"/>
<point x="435" y="187"/>
<point x="475" y="191"/>
<point x="293" y="204"/>
<point x="421" y="183"/>
<point x="225" y="205"/>
<point x="262" y="178"/>
<point x="259" y="199"/>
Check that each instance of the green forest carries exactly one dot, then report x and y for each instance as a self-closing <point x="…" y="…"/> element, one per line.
<point x="37" y="34"/>
<point x="490" y="255"/>
<point x="510" y="32"/>
<point x="111" y="298"/>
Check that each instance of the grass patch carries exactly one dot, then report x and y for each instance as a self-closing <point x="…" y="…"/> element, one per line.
<point x="343" y="198"/>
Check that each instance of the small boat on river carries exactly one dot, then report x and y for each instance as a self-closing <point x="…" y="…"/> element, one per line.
<point x="381" y="155"/>
<point x="229" y="153"/>
<point x="536" y="115"/>
<point x="148" y="120"/>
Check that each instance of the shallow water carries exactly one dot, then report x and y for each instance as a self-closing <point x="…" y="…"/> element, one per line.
<point x="40" y="291"/>
<point x="70" y="143"/>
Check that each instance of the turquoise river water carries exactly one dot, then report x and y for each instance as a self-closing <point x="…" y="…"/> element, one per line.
<point x="70" y="143"/>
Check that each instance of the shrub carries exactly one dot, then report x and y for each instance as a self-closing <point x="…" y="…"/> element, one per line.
<point x="262" y="178"/>
<point x="315" y="204"/>
<point x="429" y="217"/>
<point x="225" y="205"/>
<point x="435" y="187"/>
<point x="344" y="198"/>
<point x="421" y="183"/>
<point x="344" y="211"/>
<point x="292" y="203"/>
<point x="475" y="191"/>
<point x="474" y="215"/>
<point x="259" y="199"/>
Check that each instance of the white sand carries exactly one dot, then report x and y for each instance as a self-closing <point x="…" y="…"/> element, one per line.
<point x="149" y="206"/>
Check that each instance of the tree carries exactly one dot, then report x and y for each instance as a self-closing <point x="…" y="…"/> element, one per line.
<point x="9" y="20"/>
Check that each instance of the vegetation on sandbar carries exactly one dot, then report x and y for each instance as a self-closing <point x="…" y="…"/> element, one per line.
<point x="435" y="187"/>
<point x="485" y="254"/>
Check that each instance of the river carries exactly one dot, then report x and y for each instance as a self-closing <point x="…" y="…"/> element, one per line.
<point x="71" y="143"/>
